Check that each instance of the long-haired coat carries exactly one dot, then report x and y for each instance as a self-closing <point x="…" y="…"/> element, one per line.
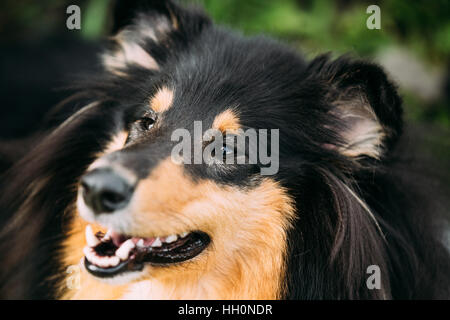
<point x="98" y="196"/>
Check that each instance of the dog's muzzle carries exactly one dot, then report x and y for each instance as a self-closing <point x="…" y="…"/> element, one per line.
<point x="105" y="197"/>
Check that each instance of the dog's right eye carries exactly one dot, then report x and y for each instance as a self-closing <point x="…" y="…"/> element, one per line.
<point x="147" y="123"/>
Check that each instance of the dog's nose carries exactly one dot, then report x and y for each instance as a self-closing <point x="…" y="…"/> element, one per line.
<point x="105" y="191"/>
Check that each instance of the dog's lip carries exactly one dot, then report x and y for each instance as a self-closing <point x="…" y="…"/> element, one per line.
<point x="111" y="271"/>
<point x="110" y="254"/>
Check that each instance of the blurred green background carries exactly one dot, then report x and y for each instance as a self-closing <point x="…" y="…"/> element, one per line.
<point x="414" y="33"/>
<point x="413" y="43"/>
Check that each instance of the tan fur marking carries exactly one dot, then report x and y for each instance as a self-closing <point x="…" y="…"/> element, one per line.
<point x="117" y="142"/>
<point x="245" y="259"/>
<point x="226" y="121"/>
<point x="174" y="20"/>
<point x="162" y="100"/>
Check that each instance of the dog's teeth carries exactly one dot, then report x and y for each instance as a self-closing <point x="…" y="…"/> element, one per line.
<point x="91" y="239"/>
<point x="148" y="241"/>
<point x="102" y="262"/>
<point x="184" y="234"/>
<point x="107" y="236"/>
<point x="114" y="261"/>
<point x="140" y="243"/>
<point x="89" y="253"/>
<point x="157" y="242"/>
<point x="171" y="238"/>
<point x="124" y="250"/>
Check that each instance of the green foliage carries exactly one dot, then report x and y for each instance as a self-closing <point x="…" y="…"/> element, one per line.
<point x="328" y="25"/>
<point x="94" y="19"/>
<point x="421" y="26"/>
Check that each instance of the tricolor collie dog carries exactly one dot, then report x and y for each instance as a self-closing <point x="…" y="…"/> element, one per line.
<point x="99" y="208"/>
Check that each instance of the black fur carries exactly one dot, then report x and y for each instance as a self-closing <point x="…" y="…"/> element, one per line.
<point x="211" y="68"/>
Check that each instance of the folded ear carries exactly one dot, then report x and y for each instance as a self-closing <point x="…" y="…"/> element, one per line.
<point x="364" y="113"/>
<point x="147" y="32"/>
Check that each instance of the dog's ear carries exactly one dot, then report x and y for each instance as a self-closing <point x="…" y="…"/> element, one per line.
<point x="147" y="32"/>
<point x="364" y="109"/>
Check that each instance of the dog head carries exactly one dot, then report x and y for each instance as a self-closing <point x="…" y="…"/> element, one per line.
<point x="179" y="200"/>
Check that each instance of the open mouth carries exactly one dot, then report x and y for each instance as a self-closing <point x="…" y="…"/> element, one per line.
<point x="110" y="254"/>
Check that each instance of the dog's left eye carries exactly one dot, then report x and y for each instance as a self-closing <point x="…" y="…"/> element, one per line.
<point x="147" y="123"/>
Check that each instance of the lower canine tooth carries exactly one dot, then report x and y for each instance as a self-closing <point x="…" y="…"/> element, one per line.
<point x="156" y="243"/>
<point x="124" y="250"/>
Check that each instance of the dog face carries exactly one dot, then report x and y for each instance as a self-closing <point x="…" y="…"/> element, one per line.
<point x="216" y="228"/>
